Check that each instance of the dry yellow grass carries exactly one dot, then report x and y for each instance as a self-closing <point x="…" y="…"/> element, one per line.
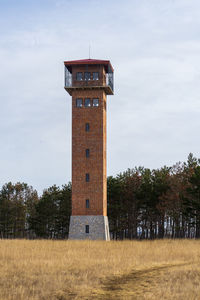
<point x="99" y="270"/>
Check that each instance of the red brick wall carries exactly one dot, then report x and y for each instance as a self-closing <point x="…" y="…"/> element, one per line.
<point x="83" y="69"/>
<point x="96" y="189"/>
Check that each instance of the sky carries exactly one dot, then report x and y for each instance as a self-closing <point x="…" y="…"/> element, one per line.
<point x="154" y="115"/>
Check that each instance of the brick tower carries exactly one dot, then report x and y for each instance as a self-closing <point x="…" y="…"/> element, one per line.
<point x="89" y="81"/>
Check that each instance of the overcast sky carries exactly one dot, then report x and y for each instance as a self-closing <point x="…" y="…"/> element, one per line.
<point x="154" y="116"/>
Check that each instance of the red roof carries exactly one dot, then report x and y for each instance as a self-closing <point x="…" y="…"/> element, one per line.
<point x="89" y="61"/>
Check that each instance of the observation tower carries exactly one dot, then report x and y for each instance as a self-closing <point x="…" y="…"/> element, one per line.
<point x="88" y="82"/>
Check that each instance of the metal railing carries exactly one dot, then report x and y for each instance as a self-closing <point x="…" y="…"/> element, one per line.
<point x="109" y="78"/>
<point x="68" y="78"/>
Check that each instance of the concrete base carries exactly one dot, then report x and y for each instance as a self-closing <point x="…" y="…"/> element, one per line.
<point x="98" y="228"/>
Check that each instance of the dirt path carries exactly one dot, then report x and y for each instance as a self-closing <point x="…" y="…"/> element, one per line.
<point x="135" y="284"/>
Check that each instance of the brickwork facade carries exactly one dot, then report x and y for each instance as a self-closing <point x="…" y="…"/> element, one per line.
<point x="95" y="164"/>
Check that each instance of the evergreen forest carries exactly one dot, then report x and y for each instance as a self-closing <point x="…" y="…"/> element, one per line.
<point x="142" y="204"/>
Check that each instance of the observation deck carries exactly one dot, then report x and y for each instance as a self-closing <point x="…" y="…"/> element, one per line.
<point x="89" y="74"/>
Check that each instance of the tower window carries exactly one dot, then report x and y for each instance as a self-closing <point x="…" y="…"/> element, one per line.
<point x="79" y="76"/>
<point x="79" y="102"/>
<point x="95" y="75"/>
<point x="87" y="177"/>
<point x="87" y="152"/>
<point x="96" y="102"/>
<point x="87" y="203"/>
<point x="87" y="127"/>
<point x="87" y="102"/>
<point x="87" y="76"/>
<point x="87" y="229"/>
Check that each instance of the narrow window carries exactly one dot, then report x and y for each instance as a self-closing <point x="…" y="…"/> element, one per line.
<point x="87" y="76"/>
<point x="95" y="75"/>
<point x="87" y="203"/>
<point x="87" y="127"/>
<point x="87" y="153"/>
<point x="87" y="177"/>
<point x="79" y="102"/>
<point x="79" y="76"/>
<point x="87" y="229"/>
<point x="87" y="102"/>
<point x="96" y="102"/>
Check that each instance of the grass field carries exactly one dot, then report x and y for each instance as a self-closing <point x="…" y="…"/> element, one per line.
<point x="99" y="270"/>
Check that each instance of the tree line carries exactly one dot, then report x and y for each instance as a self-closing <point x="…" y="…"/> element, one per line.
<point x="23" y="214"/>
<point x="142" y="204"/>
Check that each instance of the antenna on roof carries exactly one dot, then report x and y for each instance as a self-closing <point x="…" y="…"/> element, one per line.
<point x="89" y="50"/>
